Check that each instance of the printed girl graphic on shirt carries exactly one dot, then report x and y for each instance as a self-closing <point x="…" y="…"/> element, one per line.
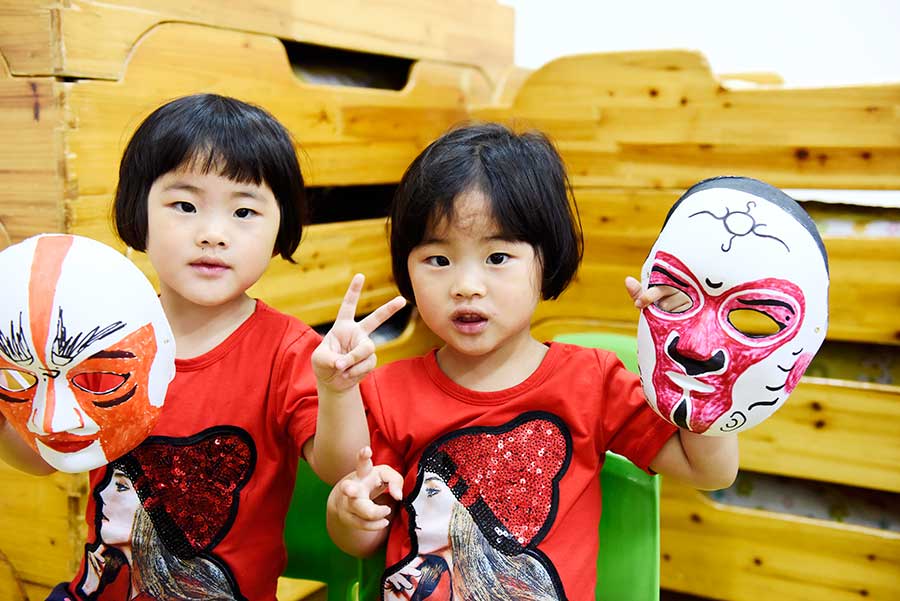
<point x="161" y="509"/>
<point x="484" y="498"/>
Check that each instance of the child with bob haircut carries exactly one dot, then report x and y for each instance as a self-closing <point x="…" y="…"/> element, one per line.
<point x="210" y="188"/>
<point x="494" y="441"/>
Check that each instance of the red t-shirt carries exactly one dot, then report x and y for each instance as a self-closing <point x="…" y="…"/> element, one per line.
<point x="524" y="462"/>
<point x="214" y="480"/>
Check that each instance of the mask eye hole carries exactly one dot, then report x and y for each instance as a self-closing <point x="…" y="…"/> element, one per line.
<point x="753" y="323"/>
<point x="99" y="382"/>
<point x="15" y="380"/>
<point x="674" y="301"/>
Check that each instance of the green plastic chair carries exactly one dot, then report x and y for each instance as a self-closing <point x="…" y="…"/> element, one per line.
<point x="311" y="554"/>
<point x="628" y="563"/>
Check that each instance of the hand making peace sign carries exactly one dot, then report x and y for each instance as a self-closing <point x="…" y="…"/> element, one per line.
<point x="347" y="353"/>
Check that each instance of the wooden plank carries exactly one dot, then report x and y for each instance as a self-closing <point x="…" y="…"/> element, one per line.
<point x="415" y="340"/>
<point x="11" y="587"/>
<point x="832" y="431"/>
<point x="42" y="521"/>
<point x="327" y="259"/>
<point x="746" y="555"/>
<point x="31" y="197"/>
<point x="661" y="119"/>
<point x="47" y="37"/>
<point x="346" y="135"/>
<point x="28" y="34"/>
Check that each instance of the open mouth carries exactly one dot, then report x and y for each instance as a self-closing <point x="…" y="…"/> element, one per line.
<point x="469" y="322"/>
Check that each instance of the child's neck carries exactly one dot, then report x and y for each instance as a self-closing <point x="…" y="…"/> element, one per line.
<point x="198" y="329"/>
<point x="500" y="369"/>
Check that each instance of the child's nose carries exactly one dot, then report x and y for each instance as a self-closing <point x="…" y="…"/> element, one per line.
<point x="468" y="284"/>
<point x="212" y="233"/>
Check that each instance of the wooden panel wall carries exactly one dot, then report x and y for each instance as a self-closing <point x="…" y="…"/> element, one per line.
<point x="41" y="37"/>
<point x="660" y="119"/>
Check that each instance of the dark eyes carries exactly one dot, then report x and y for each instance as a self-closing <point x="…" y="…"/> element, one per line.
<point x="182" y="206"/>
<point x="438" y="261"/>
<point x="492" y="259"/>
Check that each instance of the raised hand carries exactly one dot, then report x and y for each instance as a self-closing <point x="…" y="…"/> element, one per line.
<point x="359" y="501"/>
<point x="666" y="298"/>
<point x="347" y="353"/>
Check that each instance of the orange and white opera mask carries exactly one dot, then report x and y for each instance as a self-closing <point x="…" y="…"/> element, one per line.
<point x="86" y="353"/>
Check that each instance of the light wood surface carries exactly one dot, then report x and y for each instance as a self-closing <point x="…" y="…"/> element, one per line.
<point x="92" y="39"/>
<point x="31" y="156"/>
<point x="831" y="431"/>
<point x="42" y="525"/>
<point x="661" y="119"/>
<point x="748" y="555"/>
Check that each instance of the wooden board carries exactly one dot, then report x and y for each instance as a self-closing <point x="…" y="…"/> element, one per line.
<point x="42" y="521"/>
<point x="831" y="431"/>
<point x="746" y="555"/>
<point x="41" y="37"/>
<point x="660" y="119"/>
<point x="31" y="166"/>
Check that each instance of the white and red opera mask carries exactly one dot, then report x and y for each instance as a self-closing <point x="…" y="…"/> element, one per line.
<point x="86" y="353"/>
<point x="751" y="264"/>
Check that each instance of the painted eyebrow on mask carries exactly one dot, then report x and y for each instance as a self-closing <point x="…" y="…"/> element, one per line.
<point x="767" y="302"/>
<point x="66" y="348"/>
<point x="669" y="275"/>
<point x="113" y="354"/>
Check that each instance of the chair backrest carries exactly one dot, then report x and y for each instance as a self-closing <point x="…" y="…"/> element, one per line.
<point x="628" y="563"/>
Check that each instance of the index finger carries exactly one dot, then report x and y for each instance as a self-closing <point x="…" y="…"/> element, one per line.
<point x="347" y="310"/>
<point x="364" y="462"/>
<point x="381" y="314"/>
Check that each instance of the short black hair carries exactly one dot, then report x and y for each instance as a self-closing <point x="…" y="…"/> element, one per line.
<point x="525" y="182"/>
<point x="209" y="132"/>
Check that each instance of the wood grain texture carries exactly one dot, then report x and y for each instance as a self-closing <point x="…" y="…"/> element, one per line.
<point x="746" y="555"/>
<point x="661" y="119"/>
<point x="32" y="198"/>
<point x="41" y="37"/>
<point x="42" y="524"/>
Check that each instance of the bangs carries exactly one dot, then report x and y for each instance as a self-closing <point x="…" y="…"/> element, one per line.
<point x="216" y="152"/>
<point x="238" y="167"/>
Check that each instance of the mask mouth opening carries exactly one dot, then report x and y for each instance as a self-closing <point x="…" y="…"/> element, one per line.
<point x="680" y="415"/>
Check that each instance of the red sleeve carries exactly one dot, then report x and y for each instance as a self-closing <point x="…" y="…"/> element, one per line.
<point x="294" y="385"/>
<point x="629" y="425"/>
<point x="383" y="451"/>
